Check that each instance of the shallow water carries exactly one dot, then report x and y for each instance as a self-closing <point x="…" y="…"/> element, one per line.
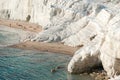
<point x="7" y="38"/>
<point x="17" y="64"/>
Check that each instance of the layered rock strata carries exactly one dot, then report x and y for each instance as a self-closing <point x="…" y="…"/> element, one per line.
<point x="93" y="24"/>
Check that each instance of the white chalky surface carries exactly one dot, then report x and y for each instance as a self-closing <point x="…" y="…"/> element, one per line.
<point x="92" y="23"/>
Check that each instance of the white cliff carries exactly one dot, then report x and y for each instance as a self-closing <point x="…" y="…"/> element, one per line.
<point x="91" y="23"/>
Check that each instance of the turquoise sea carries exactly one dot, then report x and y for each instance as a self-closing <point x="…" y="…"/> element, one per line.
<point x="17" y="64"/>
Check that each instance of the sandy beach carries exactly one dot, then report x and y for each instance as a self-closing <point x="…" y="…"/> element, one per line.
<point x="21" y="25"/>
<point x="41" y="46"/>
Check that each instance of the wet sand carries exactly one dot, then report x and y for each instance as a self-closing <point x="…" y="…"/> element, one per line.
<point x="41" y="46"/>
<point x="47" y="47"/>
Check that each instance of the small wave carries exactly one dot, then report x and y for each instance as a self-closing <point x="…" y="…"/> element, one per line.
<point x="5" y="45"/>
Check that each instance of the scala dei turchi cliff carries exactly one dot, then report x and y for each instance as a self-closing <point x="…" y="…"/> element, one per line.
<point x="92" y="24"/>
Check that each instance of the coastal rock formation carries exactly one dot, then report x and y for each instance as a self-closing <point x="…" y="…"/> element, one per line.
<point x="89" y="55"/>
<point x="93" y="24"/>
<point x="116" y="78"/>
<point x="111" y="47"/>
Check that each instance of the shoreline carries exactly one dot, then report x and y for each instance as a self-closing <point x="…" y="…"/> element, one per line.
<point x="40" y="46"/>
<point x="57" y="47"/>
<point x="26" y="26"/>
<point x="46" y="47"/>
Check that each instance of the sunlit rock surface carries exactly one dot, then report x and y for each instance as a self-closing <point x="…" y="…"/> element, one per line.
<point x="91" y="23"/>
<point x="111" y="47"/>
<point x="115" y="78"/>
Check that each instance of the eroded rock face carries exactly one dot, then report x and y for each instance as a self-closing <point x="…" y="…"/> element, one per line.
<point x="115" y="78"/>
<point x="111" y="47"/>
<point x="88" y="56"/>
<point x="95" y="24"/>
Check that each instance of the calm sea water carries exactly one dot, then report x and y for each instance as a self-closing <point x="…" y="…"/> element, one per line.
<point x="17" y="64"/>
<point x="7" y="38"/>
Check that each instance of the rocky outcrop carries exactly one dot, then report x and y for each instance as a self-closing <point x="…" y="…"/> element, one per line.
<point x="110" y="48"/>
<point x="89" y="55"/>
<point x="91" y="23"/>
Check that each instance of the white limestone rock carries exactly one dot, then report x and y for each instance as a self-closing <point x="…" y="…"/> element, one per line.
<point x="88" y="56"/>
<point x="84" y="59"/>
<point x="108" y="45"/>
<point x="115" y="78"/>
<point x="110" y="49"/>
<point x="56" y="16"/>
<point x="92" y="23"/>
